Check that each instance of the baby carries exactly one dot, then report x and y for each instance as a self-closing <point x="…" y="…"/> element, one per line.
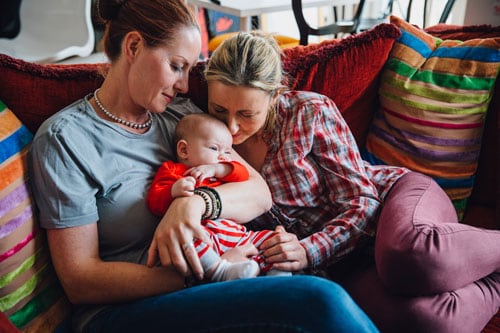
<point x="203" y="148"/>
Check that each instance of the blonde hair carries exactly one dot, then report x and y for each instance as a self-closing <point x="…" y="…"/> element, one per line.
<point x="249" y="59"/>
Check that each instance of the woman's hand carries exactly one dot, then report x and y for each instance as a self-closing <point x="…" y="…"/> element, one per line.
<point x="284" y="251"/>
<point x="173" y="238"/>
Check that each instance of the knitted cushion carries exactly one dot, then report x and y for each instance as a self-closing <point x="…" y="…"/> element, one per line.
<point x="30" y="294"/>
<point x="434" y="96"/>
<point x="34" y="92"/>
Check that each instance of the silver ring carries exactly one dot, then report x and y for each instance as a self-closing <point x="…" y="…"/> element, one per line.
<point x="187" y="246"/>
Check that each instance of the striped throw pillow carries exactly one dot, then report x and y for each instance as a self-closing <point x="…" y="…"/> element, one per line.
<point x="30" y="294"/>
<point x="434" y="95"/>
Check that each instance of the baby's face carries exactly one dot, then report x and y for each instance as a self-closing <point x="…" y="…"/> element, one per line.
<point x="208" y="147"/>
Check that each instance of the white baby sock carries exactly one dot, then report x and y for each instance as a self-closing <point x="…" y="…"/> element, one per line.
<point x="226" y="270"/>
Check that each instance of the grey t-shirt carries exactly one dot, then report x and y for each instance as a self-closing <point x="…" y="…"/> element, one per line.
<point x="85" y="170"/>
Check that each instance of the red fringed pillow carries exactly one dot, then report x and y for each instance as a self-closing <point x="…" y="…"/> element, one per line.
<point x="34" y="92"/>
<point x="346" y="70"/>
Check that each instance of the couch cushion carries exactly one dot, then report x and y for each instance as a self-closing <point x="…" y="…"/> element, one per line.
<point x="30" y="294"/>
<point x="486" y="191"/>
<point x="434" y="96"/>
<point x="34" y="92"/>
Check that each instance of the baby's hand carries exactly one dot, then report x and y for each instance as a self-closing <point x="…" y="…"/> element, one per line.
<point x="201" y="172"/>
<point x="184" y="187"/>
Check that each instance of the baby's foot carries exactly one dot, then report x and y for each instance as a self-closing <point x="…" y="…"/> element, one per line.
<point x="226" y="270"/>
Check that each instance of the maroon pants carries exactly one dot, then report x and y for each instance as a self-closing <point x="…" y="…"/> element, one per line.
<point x="431" y="273"/>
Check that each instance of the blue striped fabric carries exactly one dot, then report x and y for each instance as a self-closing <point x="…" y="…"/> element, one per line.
<point x="11" y="145"/>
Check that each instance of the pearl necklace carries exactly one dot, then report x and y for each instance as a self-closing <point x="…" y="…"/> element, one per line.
<point x="120" y="120"/>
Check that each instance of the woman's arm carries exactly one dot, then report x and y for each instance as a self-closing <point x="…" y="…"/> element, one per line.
<point x="244" y="201"/>
<point x="352" y="196"/>
<point x="241" y="201"/>
<point x="337" y="205"/>
<point x="87" y="279"/>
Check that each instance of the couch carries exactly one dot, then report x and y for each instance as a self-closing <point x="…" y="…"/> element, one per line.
<point x="355" y="72"/>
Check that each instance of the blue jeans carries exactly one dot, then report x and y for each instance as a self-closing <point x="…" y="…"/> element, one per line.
<point x="264" y="304"/>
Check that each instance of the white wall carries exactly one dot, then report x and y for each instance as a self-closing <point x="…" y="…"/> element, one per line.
<point x="482" y="12"/>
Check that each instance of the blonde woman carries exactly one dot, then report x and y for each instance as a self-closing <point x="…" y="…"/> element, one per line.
<point x="431" y="274"/>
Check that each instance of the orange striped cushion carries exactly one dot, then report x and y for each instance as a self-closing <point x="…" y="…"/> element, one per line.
<point x="30" y="294"/>
<point x="434" y="95"/>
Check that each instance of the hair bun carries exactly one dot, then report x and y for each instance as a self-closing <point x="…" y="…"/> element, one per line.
<point x="109" y="9"/>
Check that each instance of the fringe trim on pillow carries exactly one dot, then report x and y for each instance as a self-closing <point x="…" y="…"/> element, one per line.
<point x="55" y="71"/>
<point x="298" y="58"/>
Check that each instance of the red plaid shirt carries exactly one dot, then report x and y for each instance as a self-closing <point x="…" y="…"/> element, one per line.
<point x="322" y="190"/>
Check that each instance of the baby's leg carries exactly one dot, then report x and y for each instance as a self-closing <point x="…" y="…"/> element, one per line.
<point x="215" y="268"/>
<point x="420" y="249"/>
<point x="218" y="269"/>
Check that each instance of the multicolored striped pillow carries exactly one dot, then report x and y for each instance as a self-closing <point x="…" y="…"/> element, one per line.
<point x="30" y="294"/>
<point x="434" y="95"/>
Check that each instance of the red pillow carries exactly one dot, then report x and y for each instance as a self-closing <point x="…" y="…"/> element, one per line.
<point x="34" y="92"/>
<point x="346" y="70"/>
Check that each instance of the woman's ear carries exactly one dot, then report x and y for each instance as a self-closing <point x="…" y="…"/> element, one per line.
<point x="182" y="150"/>
<point x="132" y="44"/>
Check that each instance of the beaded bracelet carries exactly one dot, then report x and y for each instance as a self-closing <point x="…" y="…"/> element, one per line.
<point x="216" y="202"/>
<point x="208" y="203"/>
<point x="213" y="204"/>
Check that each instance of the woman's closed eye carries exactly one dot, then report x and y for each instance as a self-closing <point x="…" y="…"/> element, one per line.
<point x="219" y="109"/>
<point x="243" y="114"/>
<point x="246" y="114"/>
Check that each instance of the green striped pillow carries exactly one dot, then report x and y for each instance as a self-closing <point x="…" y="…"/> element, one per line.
<point x="30" y="294"/>
<point x="434" y="95"/>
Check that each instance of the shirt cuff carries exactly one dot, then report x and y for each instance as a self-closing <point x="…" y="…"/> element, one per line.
<point x="313" y="253"/>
